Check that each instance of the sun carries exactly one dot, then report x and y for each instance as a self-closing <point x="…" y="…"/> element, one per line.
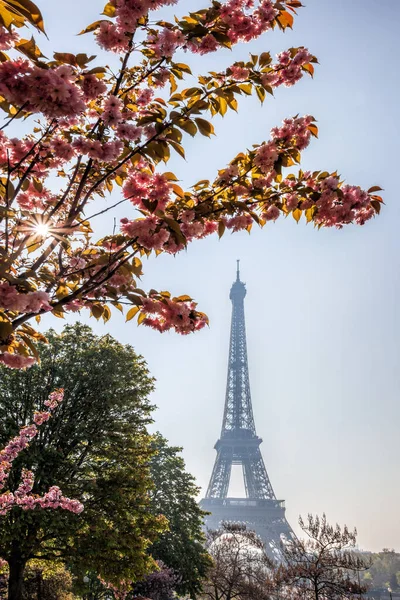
<point x="42" y="229"/>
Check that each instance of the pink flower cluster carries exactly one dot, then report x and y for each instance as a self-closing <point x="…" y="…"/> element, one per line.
<point x="338" y="205"/>
<point x="334" y="205"/>
<point x="52" y="92"/>
<point x="149" y="232"/>
<point x="287" y="71"/>
<point x="30" y="302"/>
<point x="16" y="361"/>
<point x="33" y="199"/>
<point x="239" y="73"/>
<point x="7" y="38"/>
<point x="107" y="152"/>
<point x="238" y="222"/>
<point x="115" y="37"/>
<point x="93" y="87"/>
<point x="23" y="496"/>
<point x="13" y="149"/>
<point x="165" y="42"/>
<point x="266" y="156"/>
<point x="180" y="316"/>
<point x="245" y="22"/>
<point x="294" y="134"/>
<point x="144" y="186"/>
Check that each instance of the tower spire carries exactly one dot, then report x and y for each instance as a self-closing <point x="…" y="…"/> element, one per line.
<point x="240" y="445"/>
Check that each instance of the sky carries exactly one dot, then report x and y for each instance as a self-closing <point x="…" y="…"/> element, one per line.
<point x="322" y="314"/>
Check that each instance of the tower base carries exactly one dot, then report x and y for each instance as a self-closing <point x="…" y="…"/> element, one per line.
<point x="265" y="517"/>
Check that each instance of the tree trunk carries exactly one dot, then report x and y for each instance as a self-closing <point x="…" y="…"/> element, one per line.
<point x="316" y="590"/>
<point x="16" y="577"/>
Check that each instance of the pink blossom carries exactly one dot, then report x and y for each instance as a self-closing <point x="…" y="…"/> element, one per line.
<point x="112" y="111"/>
<point x="93" y="87"/>
<point x="142" y="186"/>
<point x="272" y="214"/>
<point x="165" y="42"/>
<point x="168" y="314"/>
<point x="49" y="91"/>
<point x="148" y="232"/>
<point x="292" y="201"/>
<point x="23" y="496"/>
<point x="16" y="361"/>
<point x="266" y="156"/>
<point x="62" y="149"/>
<point x="239" y="73"/>
<point x="127" y="131"/>
<point x="144" y="97"/>
<point x="111" y="37"/>
<point x="239" y="222"/>
<point x="7" y="39"/>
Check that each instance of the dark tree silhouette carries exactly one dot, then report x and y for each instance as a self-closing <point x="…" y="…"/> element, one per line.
<point x="324" y="566"/>
<point x="241" y="569"/>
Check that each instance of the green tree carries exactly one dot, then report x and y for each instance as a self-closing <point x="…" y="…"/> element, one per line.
<point x="47" y="581"/>
<point x="384" y="570"/>
<point x="96" y="448"/>
<point x="174" y="496"/>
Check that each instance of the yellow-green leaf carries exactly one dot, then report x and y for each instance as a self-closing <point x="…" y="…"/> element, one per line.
<point x="205" y="127"/>
<point x="132" y="312"/>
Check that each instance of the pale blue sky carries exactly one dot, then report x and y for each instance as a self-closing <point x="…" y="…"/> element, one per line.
<point x="322" y="316"/>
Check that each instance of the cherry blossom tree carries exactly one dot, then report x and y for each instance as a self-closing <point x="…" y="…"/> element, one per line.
<point x="93" y="131"/>
<point x="23" y="497"/>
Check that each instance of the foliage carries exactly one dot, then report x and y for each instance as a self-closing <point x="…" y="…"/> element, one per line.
<point x="384" y="571"/>
<point x="97" y="130"/>
<point x="173" y="495"/>
<point x="18" y="13"/>
<point x="159" y="585"/>
<point x="96" y="447"/>
<point x="45" y="581"/>
<point x="241" y="568"/>
<point x="324" y="565"/>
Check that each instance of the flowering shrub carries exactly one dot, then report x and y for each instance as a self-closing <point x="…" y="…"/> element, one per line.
<point x="23" y="496"/>
<point x="96" y="130"/>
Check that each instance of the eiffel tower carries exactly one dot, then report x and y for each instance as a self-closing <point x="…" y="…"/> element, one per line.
<point x="240" y="445"/>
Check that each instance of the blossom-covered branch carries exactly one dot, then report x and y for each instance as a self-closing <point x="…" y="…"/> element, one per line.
<point x="23" y="495"/>
<point x="97" y="132"/>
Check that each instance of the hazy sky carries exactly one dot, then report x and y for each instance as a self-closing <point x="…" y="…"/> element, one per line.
<point x="322" y="306"/>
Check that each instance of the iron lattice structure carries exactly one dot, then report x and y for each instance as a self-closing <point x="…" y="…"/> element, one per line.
<point x="240" y="445"/>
